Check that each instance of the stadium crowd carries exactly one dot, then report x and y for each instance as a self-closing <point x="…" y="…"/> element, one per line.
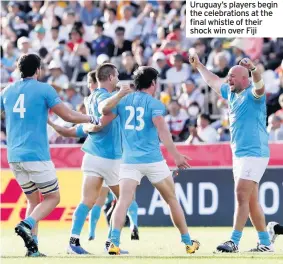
<point x="73" y="37"/>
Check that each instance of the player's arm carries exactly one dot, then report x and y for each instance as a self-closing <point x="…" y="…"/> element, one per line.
<point x="59" y="108"/>
<point x="210" y="78"/>
<point x="110" y="103"/>
<point x="166" y="138"/>
<point x="259" y="88"/>
<point x="63" y="131"/>
<point x="104" y="121"/>
<point x="72" y="116"/>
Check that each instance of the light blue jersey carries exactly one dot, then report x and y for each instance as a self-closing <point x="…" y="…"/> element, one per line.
<point x="139" y="135"/>
<point x="247" y="116"/>
<point x="107" y="142"/>
<point x="26" y="103"/>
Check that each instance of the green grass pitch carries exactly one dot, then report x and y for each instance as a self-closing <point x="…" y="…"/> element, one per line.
<point x="156" y="245"/>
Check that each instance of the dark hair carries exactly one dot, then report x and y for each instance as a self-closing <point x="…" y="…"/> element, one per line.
<point x="144" y="76"/>
<point x="28" y="64"/>
<point x="112" y="10"/>
<point x="104" y="71"/>
<point x="59" y="20"/>
<point x="92" y="75"/>
<point x="119" y="29"/>
<point x="205" y="116"/>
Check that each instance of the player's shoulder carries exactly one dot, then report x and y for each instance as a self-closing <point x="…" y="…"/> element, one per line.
<point x="153" y="102"/>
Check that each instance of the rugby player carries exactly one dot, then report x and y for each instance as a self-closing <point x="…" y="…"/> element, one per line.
<point x="249" y="143"/>
<point x="26" y="103"/>
<point x="142" y="121"/>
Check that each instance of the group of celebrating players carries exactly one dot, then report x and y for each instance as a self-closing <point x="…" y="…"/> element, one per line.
<point x="124" y="129"/>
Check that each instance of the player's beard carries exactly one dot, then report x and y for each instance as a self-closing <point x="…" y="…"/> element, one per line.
<point x="237" y="89"/>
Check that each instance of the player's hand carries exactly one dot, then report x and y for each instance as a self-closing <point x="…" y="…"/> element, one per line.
<point x="247" y="63"/>
<point x="125" y="89"/>
<point x="194" y="59"/>
<point x="182" y="161"/>
<point x="88" y="128"/>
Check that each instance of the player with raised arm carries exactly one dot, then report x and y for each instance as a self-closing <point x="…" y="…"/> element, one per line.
<point x="249" y="143"/>
<point x="142" y="121"/>
<point x="26" y="103"/>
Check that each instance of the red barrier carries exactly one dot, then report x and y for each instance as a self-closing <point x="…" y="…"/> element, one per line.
<point x="216" y="155"/>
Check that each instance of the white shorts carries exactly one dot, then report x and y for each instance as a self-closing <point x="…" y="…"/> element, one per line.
<point x="249" y="168"/>
<point x="108" y="169"/>
<point x="155" y="172"/>
<point x="34" y="175"/>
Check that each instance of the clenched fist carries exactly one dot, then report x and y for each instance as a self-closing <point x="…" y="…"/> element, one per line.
<point x="247" y="63"/>
<point x="194" y="59"/>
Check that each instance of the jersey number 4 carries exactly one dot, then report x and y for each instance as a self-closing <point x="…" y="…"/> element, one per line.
<point x="139" y="118"/>
<point x="19" y="106"/>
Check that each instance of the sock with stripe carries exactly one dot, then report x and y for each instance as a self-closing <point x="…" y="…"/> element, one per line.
<point x="30" y="222"/>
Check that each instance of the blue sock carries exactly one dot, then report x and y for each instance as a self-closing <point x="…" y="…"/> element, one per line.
<point x="236" y="236"/>
<point x="264" y="238"/>
<point x="186" y="239"/>
<point x="94" y="217"/>
<point x="133" y="214"/>
<point x="115" y="237"/>
<point x="30" y="221"/>
<point x="35" y="239"/>
<point x="79" y="218"/>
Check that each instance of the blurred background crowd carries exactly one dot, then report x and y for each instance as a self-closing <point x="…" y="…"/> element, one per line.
<point x="73" y="37"/>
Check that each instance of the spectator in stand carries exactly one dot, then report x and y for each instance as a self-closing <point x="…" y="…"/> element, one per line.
<point x="73" y="97"/>
<point x="238" y="50"/>
<point x="272" y="53"/>
<point x="129" y="66"/>
<point x="111" y="23"/>
<point x="13" y="11"/>
<point x="271" y="81"/>
<point x="20" y="26"/>
<point x="24" y="46"/>
<point x="190" y="94"/>
<point x="10" y="57"/>
<point x="89" y="13"/>
<point x="203" y="133"/>
<point x="120" y="43"/>
<point x="68" y="21"/>
<point x="221" y="67"/>
<point x="216" y="45"/>
<point x="57" y="79"/>
<point x="101" y="43"/>
<point x="41" y="39"/>
<point x="130" y="23"/>
<point x="180" y="72"/>
<point x="177" y="35"/>
<point x="160" y="64"/>
<point x="176" y="120"/>
<point x="280" y="112"/>
<point x="275" y="128"/>
<point x="272" y="102"/>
